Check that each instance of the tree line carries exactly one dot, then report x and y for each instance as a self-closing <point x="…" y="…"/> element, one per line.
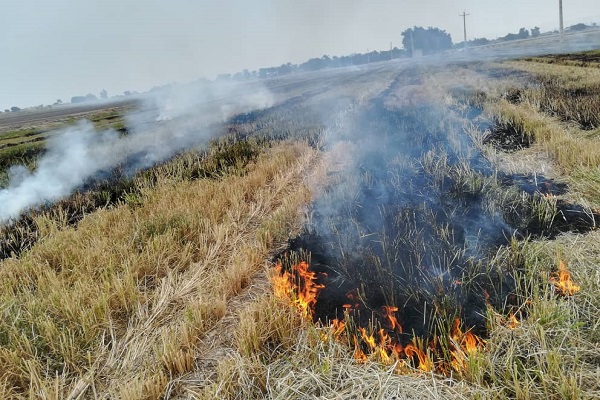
<point x="415" y="41"/>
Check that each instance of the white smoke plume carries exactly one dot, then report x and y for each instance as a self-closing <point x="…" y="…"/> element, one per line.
<point x="172" y="119"/>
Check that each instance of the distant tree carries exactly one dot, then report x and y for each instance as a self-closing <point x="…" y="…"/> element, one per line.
<point x="127" y="93"/>
<point x="7" y="110"/>
<point x="90" y="97"/>
<point x="58" y="102"/>
<point x="578" y="27"/>
<point x="472" y="43"/>
<point x="523" y="34"/>
<point x="104" y="94"/>
<point x="285" y="69"/>
<point x="429" y="41"/>
<point x="479" y="42"/>
<point x="15" y="109"/>
<point x="78" y="99"/>
<point x="535" y="32"/>
<point x="266" y="72"/>
<point x="315" y="64"/>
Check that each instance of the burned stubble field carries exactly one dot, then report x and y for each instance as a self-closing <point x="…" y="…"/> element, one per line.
<point x="406" y="230"/>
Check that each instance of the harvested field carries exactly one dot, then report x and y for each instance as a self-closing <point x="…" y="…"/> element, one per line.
<point x="404" y="230"/>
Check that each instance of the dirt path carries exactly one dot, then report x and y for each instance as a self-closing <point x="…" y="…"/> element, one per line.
<point x="219" y="342"/>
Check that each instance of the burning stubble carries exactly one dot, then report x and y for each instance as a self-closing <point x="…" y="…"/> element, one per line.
<point x="403" y="242"/>
<point x="412" y="243"/>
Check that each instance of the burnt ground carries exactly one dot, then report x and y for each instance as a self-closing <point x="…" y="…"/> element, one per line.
<point x="587" y="57"/>
<point x="383" y="263"/>
<point x="508" y="137"/>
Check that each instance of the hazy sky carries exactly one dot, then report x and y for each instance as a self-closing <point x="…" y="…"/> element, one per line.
<point x="51" y="49"/>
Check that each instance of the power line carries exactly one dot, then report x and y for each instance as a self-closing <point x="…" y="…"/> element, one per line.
<point x="464" y="16"/>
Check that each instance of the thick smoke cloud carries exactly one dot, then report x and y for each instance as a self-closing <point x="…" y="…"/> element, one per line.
<point x="171" y="120"/>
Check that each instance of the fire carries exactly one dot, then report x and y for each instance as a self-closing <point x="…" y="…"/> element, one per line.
<point x="389" y="314"/>
<point x="299" y="286"/>
<point x="464" y="345"/>
<point x="562" y="280"/>
<point x="381" y="342"/>
<point x="337" y="327"/>
<point x="511" y="321"/>
<point x="425" y="363"/>
<point x="369" y="339"/>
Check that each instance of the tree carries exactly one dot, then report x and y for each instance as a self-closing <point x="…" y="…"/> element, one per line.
<point x="523" y="34"/>
<point x="15" y="109"/>
<point x="535" y="32"/>
<point x="104" y="94"/>
<point x="429" y="41"/>
<point x="578" y="27"/>
<point x="315" y="64"/>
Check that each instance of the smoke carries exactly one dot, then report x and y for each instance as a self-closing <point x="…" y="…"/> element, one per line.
<point x="73" y="156"/>
<point x="407" y="213"/>
<point x="170" y="120"/>
<point x="222" y="99"/>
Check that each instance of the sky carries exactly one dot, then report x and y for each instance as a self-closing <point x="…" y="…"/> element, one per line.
<point x="56" y="49"/>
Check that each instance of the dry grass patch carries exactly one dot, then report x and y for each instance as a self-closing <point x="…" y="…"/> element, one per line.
<point x="552" y="354"/>
<point x="279" y="355"/>
<point x="116" y="306"/>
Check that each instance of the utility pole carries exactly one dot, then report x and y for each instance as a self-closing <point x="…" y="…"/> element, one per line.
<point x="560" y="13"/>
<point x="391" y="52"/>
<point x="464" y="17"/>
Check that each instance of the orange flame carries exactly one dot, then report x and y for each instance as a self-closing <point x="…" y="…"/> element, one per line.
<point x="337" y="328"/>
<point x="464" y="345"/>
<point x="369" y="339"/>
<point x="303" y="293"/>
<point x="425" y="363"/>
<point x="562" y="280"/>
<point x="470" y="342"/>
<point x="511" y="321"/>
<point x="389" y="315"/>
<point x="358" y="353"/>
<point x="300" y="287"/>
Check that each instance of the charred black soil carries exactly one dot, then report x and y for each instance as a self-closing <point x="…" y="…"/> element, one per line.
<point x="508" y="137"/>
<point x="422" y="233"/>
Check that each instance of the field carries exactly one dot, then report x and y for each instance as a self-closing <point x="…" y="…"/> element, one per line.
<point x="405" y="230"/>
